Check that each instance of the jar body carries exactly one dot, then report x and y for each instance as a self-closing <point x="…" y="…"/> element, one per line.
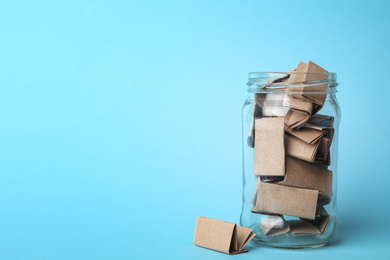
<point x="290" y="146"/>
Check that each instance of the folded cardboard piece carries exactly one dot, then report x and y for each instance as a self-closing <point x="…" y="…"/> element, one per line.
<point x="221" y="236"/>
<point x="307" y="175"/>
<point x="280" y="81"/>
<point x="274" y="225"/>
<point x="296" y="118"/>
<point x="251" y="136"/>
<point x="300" y="227"/>
<point x="320" y="222"/>
<point x="308" y="74"/>
<point x="322" y="123"/>
<point x="269" y="147"/>
<point x="308" y="135"/>
<point x="315" y="73"/>
<point x="285" y="200"/>
<point x="297" y="148"/>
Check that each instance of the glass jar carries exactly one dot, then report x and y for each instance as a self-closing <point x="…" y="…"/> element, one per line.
<point x="290" y="139"/>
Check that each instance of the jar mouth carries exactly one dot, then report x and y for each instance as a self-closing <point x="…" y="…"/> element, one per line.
<point x="265" y="82"/>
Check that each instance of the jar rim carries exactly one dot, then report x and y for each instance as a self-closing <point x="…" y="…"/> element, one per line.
<point x="263" y="82"/>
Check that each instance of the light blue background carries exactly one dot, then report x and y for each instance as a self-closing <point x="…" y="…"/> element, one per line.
<point x="120" y="121"/>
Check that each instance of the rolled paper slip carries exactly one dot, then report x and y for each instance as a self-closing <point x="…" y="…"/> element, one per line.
<point x="307" y="175"/>
<point x="221" y="236"/>
<point x="274" y="225"/>
<point x="269" y="147"/>
<point x="285" y="200"/>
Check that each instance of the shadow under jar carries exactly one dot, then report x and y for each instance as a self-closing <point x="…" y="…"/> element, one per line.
<point x="290" y="139"/>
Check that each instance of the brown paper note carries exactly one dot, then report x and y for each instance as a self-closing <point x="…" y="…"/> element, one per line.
<point x="298" y="104"/>
<point x="251" y="136"/>
<point x="285" y="200"/>
<point x="323" y="150"/>
<point x="320" y="222"/>
<point x="254" y="197"/>
<point x="221" y="236"/>
<point x="308" y="135"/>
<point x="269" y="147"/>
<point x="306" y="175"/>
<point x="300" y="110"/>
<point x="322" y="123"/>
<point x="274" y="225"/>
<point x="314" y="73"/>
<point x="297" y="148"/>
<point x="295" y="118"/>
<point x="300" y="76"/>
<point x="280" y="81"/>
<point x="309" y="72"/>
<point x="300" y="227"/>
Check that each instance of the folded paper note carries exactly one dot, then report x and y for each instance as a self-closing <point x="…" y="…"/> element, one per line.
<point x="315" y="73"/>
<point x="295" y="118"/>
<point x="298" y="104"/>
<point x="274" y="225"/>
<point x="307" y="135"/>
<point x="320" y="222"/>
<point x="269" y="146"/>
<point x="221" y="236"/>
<point x="323" y="150"/>
<point x="251" y="136"/>
<point x="311" y="75"/>
<point x="300" y="227"/>
<point x="297" y="148"/>
<point x="254" y="197"/>
<point x="307" y="175"/>
<point x="285" y="200"/>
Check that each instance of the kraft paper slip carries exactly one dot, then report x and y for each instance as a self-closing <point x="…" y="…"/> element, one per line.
<point x="284" y="200"/>
<point x="300" y="227"/>
<point x="274" y="225"/>
<point x="323" y="150"/>
<point x="307" y="175"/>
<point x="297" y="148"/>
<point x="295" y="118"/>
<point x="221" y="236"/>
<point x="310" y="72"/>
<point x="269" y="147"/>
<point x="320" y="222"/>
<point x="310" y="227"/>
<point x="308" y="135"/>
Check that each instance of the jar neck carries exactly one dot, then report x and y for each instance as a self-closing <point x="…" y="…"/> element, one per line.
<point x="292" y="82"/>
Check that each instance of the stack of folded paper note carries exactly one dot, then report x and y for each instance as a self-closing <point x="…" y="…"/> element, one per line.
<point x="291" y="144"/>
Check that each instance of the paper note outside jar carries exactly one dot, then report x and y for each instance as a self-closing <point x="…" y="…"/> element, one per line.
<point x="221" y="236"/>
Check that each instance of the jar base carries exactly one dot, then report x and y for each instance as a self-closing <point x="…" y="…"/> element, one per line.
<point x="259" y="242"/>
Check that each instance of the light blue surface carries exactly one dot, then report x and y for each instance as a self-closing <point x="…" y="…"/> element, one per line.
<point x="121" y="121"/>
